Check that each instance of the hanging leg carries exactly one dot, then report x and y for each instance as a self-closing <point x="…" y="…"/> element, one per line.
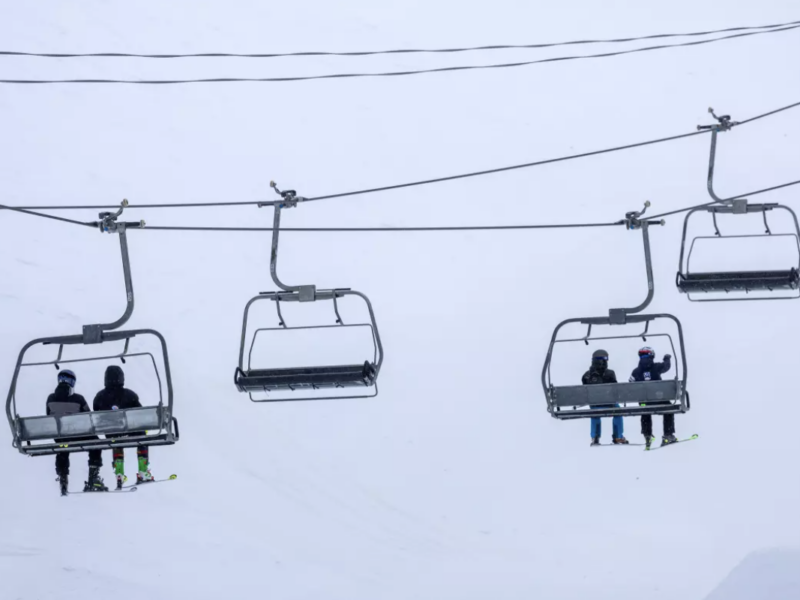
<point x="143" y="456"/>
<point x="597" y="429"/>
<point x="95" y="482"/>
<point x="62" y="471"/>
<point x="647" y="428"/>
<point x="618" y="429"/>
<point x="119" y="465"/>
<point x="669" y="430"/>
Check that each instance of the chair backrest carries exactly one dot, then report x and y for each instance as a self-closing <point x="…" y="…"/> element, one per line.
<point x="615" y="393"/>
<point x="108" y="423"/>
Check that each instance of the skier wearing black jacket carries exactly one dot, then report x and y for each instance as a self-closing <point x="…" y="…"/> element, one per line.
<point x="64" y="401"/>
<point x="115" y="396"/>
<point x="600" y="373"/>
<point x="650" y="370"/>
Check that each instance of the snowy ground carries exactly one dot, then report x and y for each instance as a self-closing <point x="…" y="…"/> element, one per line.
<point x="454" y="482"/>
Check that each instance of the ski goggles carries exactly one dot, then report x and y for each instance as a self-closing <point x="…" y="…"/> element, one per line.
<point x="67" y="377"/>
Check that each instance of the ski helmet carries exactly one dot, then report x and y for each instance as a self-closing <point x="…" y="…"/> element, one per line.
<point x="600" y="355"/>
<point x="68" y="377"/>
<point x="647" y="351"/>
<point x="114" y="376"/>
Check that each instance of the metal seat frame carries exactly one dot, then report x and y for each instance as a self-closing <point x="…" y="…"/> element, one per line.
<point x="158" y="418"/>
<point x="733" y="282"/>
<point x="566" y="402"/>
<point x="267" y="381"/>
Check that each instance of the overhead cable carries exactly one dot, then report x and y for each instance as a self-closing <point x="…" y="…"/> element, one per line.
<point x="425" y="181"/>
<point x="13" y="53"/>
<point x="390" y="73"/>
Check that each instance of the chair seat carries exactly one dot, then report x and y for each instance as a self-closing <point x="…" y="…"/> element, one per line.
<point x="256" y="380"/>
<point x="739" y="281"/>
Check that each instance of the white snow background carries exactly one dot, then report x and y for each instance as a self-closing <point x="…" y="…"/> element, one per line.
<point x="454" y="482"/>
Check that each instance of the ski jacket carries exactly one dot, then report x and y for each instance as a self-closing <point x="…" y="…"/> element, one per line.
<point x="597" y="376"/>
<point x="64" y="402"/>
<point x="649" y="370"/>
<point x="116" y="397"/>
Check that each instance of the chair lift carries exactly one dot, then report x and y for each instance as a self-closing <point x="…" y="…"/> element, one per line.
<point x="307" y="378"/>
<point x="620" y="399"/>
<point x="154" y="425"/>
<point x="735" y="281"/>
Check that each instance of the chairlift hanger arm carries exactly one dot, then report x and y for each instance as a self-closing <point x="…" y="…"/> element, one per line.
<point x="93" y="334"/>
<point x="632" y="221"/>
<point x="724" y="123"/>
<point x="289" y="199"/>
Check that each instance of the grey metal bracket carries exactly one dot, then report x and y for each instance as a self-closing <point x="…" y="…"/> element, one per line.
<point x="632" y="221"/>
<point x="108" y="223"/>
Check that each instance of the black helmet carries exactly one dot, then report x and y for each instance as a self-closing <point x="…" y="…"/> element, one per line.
<point x="68" y="377"/>
<point x="600" y="355"/>
<point x="114" y="376"/>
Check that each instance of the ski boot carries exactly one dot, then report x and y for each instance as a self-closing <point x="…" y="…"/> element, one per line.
<point x="144" y="475"/>
<point x="620" y="440"/>
<point x="95" y="483"/>
<point x="595" y="441"/>
<point x="668" y="439"/>
<point x="648" y="440"/>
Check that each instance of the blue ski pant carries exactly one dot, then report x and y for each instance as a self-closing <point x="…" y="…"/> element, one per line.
<point x="616" y="424"/>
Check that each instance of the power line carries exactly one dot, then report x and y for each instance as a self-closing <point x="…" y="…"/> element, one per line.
<point x="384" y="188"/>
<point x="45" y="216"/>
<point x="769" y="114"/>
<point x="425" y="181"/>
<point x="395" y="51"/>
<point x="389" y="73"/>
<point x="510" y="168"/>
<point x="382" y="229"/>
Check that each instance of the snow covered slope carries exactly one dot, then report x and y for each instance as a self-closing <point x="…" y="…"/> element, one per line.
<point x="773" y="574"/>
<point x="454" y="482"/>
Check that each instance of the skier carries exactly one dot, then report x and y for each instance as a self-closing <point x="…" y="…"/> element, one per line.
<point x="116" y="396"/>
<point x="649" y="370"/>
<point x="64" y="401"/>
<point x="600" y="373"/>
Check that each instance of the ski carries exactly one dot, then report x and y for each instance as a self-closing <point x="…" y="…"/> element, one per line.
<point x="628" y="444"/>
<point x="109" y="491"/>
<point x="172" y="477"/>
<point x="689" y="439"/>
<point x="131" y="487"/>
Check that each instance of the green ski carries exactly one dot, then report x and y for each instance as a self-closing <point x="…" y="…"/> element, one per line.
<point x="689" y="439"/>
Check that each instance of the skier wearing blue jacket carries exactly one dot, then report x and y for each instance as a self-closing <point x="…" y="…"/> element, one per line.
<point x="650" y="370"/>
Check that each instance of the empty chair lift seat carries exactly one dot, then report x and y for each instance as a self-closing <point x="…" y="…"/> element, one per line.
<point x="256" y="380"/>
<point x="739" y="281"/>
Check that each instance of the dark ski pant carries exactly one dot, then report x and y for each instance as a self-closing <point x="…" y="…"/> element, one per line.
<point x="62" y="458"/>
<point x="647" y="422"/>
<point x="616" y="424"/>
